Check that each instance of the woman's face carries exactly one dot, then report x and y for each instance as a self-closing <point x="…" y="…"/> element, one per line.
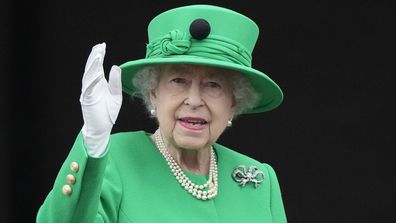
<point x="193" y="105"/>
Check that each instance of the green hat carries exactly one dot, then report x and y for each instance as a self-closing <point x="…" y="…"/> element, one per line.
<point x="205" y="35"/>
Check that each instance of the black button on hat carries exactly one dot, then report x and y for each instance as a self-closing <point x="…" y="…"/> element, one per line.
<point x="199" y="29"/>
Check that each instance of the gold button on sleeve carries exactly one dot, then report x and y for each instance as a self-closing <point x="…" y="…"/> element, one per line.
<point x="74" y="166"/>
<point x="70" y="179"/>
<point x="66" y="190"/>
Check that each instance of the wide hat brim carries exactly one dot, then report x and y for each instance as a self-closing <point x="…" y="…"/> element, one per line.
<point x="271" y="95"/>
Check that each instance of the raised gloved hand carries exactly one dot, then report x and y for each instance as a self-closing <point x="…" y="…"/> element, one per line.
<point x="100" y="101"/>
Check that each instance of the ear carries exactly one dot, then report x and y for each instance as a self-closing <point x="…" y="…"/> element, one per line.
<point x="153" y="97"/>
<point x="231" y="117"/>
<point x="232" y="112"/>
<point x="233" y="108"/>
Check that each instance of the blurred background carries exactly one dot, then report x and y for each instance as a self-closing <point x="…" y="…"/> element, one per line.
<point x="331" y="142"/>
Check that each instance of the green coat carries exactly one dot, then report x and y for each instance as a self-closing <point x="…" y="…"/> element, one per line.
<point x="133" y="183"/>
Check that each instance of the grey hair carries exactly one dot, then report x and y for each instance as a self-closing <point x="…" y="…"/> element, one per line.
<point x="245" y="96"/>
<point x="145" y="81"/>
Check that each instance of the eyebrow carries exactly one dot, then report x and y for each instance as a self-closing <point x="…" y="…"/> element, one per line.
<point x="217" y="72"/>
<point x="181" y="69"/>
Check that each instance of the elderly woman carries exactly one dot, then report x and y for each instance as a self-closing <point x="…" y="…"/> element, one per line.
<point x="195" y="79"/>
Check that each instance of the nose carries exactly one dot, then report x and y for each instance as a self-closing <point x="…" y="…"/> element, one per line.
<point x="194" y="97"/>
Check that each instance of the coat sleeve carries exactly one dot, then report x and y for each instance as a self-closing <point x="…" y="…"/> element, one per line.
<point x="86" y="190"/>
<point x="276" y="202"/>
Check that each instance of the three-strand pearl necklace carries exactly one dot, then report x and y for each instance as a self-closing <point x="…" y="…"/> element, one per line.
<point x="205" y="191"/>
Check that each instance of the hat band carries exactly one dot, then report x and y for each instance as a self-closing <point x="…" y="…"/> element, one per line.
<point x="213" y="47"/>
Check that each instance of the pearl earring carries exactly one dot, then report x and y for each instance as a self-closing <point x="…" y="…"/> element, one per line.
<point x="153" y="112"/>
<point x="229" y="123"/>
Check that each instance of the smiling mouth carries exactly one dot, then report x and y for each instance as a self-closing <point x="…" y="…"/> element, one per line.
<point x="194" y="121"/>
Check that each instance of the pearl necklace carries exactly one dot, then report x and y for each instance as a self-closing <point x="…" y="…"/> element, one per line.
<point x="205" y="191"/>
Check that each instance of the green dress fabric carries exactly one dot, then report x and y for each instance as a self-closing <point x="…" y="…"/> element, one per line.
<point x="132" y="182"/>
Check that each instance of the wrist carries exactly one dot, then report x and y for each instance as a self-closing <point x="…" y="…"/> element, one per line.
<point x="95" y="142"/>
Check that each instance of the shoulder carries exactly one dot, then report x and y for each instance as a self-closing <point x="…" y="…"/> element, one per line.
<point x="129" y="138"/>
<point x="131" y="135"/>
<point x="232" y="155"/>
<point x="235" y="158"/>
<point x="132" y="141"/>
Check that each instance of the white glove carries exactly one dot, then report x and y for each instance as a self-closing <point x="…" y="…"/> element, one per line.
<point x="100" y="101"/>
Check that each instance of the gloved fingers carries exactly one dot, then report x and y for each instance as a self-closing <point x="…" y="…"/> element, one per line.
<point x="94" y="66"/>
<point x="115" y="85"/>
<point x="115" y="88"/>
<point x="92" y="77"/>
<point x="98" y="50"/>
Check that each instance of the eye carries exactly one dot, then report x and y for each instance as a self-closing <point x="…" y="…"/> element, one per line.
<point x="179" y="80"/>
<point x="213" y="84"/>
